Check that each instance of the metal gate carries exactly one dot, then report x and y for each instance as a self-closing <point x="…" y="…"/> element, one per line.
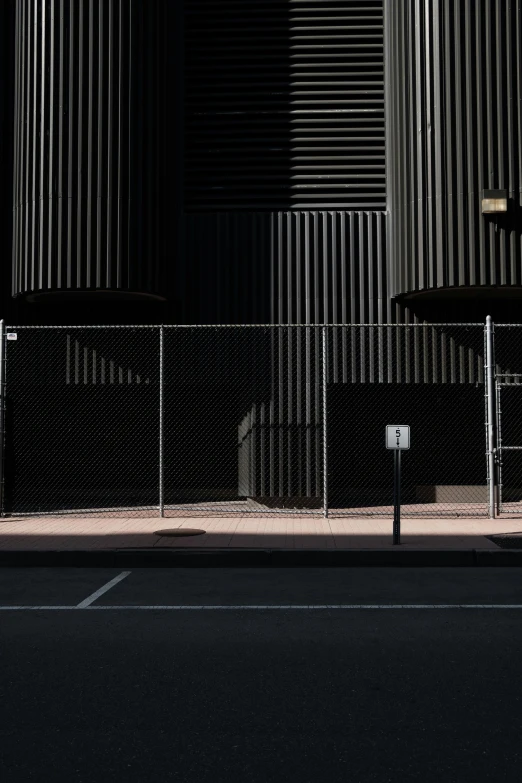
<point x="508" y="398"/>
<point x="509" y="442"/>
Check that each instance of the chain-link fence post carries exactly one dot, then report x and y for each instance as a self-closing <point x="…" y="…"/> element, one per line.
<point x="325" y="421"/>
<point x="2" y="413"/>
<point x="161" y="423"/>
<point x="498" y="403"/>
<point x="490" y="411"/>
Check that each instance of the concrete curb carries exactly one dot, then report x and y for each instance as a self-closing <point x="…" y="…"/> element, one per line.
<point x="262" y="558"/>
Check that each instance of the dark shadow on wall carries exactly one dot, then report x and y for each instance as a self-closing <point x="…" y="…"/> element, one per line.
<point x="238" y="152"/>
<point x="472" y="304"/>
<point x="503" y="306"/>
<point x="237" y="105"/>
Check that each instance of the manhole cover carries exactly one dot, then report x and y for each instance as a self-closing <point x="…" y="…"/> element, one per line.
<point x="180" y="531"/>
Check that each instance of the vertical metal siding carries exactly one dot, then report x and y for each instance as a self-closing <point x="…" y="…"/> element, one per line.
<point x="286" y="267"/>
<point x="453" y="101"/>
<point x="9" y="77"/>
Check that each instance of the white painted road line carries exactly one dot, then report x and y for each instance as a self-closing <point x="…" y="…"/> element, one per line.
<point x="88" y="601"/>
<point x="87" y="607"/>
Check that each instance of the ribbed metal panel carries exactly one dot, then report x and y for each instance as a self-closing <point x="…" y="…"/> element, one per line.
<point x="285" y="267"/>
<point x="329" y="267"/>
<point x="454" y="119"/>
<point x="89" y="142"/>
<point x="6" y="121"/>
<point x="284" y="104"/>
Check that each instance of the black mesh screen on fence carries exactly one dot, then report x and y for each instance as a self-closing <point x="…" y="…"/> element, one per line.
<point x="234" y="420"/>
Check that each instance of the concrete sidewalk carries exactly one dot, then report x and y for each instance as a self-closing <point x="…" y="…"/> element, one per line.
<point x="282" y="532"/>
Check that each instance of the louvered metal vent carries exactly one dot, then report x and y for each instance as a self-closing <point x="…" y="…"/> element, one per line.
<point x="284" y="104"/>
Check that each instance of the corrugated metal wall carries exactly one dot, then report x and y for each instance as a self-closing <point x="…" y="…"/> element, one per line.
<point x="329" y="267"/>
<point x="6" y="148"/>
<point x="285" y="267"/>
<point x="284" y="153"/>
<point x="454" y="119"/>
<point x="90" y="136"/>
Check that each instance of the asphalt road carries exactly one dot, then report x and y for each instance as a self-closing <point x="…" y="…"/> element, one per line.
<point x="313" y="695"/>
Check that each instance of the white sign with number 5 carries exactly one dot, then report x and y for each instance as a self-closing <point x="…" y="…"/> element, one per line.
<point x="397" y="436"/>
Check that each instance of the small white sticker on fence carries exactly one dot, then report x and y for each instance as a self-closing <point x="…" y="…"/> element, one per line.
<point x="397" y="436"/>
<point x="12" y="336"/>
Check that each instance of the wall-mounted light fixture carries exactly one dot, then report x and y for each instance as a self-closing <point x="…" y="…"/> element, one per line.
<point x="494" y="201"/>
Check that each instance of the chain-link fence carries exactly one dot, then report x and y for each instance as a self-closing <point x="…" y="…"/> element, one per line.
<point x="81" y="420"/>
<point x="177" y="420"/>
<point x="430" y="378"/>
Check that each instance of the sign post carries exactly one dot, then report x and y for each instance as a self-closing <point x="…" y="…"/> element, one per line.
<point x="397" y="439"/>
